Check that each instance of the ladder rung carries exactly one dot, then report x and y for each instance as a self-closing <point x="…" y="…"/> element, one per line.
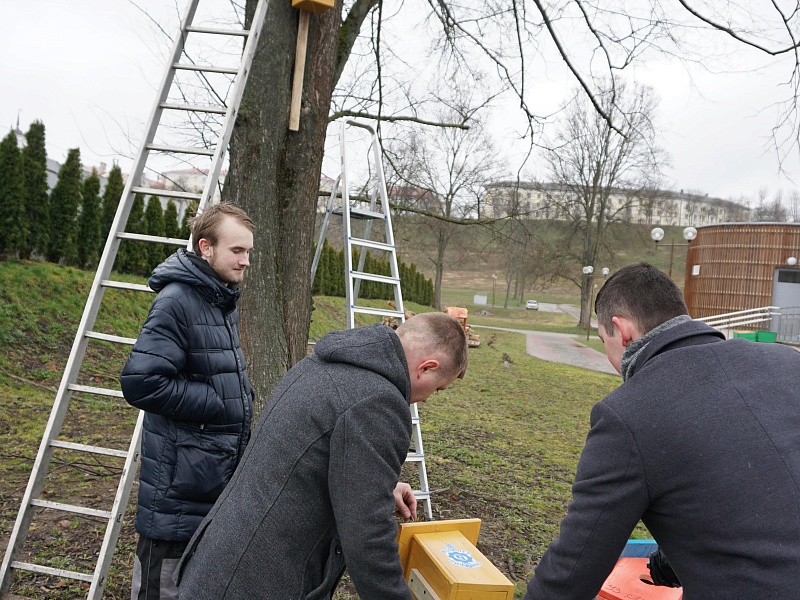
<point x="166" y="193"/>
<point x="124" y="235"/>
<point x="371" y="244"/>
<point x="206" y="68"/>
<point x="373" y="277"/>
<point x="78" y="510"/>
<point x="239" y="32"/>
<point x="361" y="213"/>
<point x="124" y="285"/>
<point x="89" y="449"/>
<point x="106" y="337"/>
<point x="95" y="390"/>
<point x="415" y="457"/>
<point x="22" y="566"/>
<point x="179" y="150"/>
<point x="420" y="495"/>
<point x="366" y="310"/>
<point x="216" y="110"/>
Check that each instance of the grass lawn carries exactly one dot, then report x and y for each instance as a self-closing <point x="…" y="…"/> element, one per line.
<point x="501" y="445"/>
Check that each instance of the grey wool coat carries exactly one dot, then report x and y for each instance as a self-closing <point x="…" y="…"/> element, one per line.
<point x="314" y="490"/>
<point x="702" y="443"/>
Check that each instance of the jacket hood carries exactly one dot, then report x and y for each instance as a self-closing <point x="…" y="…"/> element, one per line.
<point x="375" y="348"/>
<point x="188" y="268"/>
<point x="690" y="333"/>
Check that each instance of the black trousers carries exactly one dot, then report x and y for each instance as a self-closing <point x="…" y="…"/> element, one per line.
<point x="155" y="563"/>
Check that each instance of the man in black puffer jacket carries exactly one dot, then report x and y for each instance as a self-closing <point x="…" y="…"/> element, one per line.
<point x="187" y="372"/>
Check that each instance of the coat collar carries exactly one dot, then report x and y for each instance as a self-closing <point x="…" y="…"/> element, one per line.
<point x="691" y="333"/>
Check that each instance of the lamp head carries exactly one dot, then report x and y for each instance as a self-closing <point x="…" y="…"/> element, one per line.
<point x="689" y="234"/>
<point x="791" y="261"/>
<point x="657" y="234"/>
<point x="588" y="270"/>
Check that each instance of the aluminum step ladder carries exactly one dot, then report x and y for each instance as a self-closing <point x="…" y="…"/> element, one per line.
<point x="378" y="211"/>
<point x="171" y="100"/>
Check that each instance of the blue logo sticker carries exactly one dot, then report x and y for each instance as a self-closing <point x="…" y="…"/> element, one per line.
<point x="461" y="558"/>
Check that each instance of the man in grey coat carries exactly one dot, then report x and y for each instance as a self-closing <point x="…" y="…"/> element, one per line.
<point x="701" y="443"/>
<point x="314" y="490"/>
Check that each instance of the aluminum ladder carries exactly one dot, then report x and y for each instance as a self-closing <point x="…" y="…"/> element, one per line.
<point x="171" y="101"/>
<point x="378" y="211"/>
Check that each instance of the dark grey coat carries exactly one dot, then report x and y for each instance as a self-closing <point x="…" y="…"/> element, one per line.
<point x="314" y="489"/>
<point x="187" y="372"/>
<point x="702" y="444"/>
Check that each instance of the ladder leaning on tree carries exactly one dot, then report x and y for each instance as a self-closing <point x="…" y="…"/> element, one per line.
<point x="169" y="103"/>
<point x="378" y="211"/>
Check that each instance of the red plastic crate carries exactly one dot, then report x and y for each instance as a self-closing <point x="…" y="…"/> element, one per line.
<point x="625" y="583"/>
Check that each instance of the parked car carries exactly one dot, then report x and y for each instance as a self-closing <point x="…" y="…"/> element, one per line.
<point x="532" y="305"/>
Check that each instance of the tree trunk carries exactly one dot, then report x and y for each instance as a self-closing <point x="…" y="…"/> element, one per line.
<point x="586" y="308"/>
<point x="274" y="175"/>
<point x="442" y="239"/>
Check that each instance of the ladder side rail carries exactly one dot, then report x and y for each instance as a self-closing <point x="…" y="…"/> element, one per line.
<point x="117" y="511"/>
<point x="233" y="104"/>
<point x="57" y="414"/>
<point x="348" y="250"/>
<point x="398" y="294"/>
<point x="324" y="229"/>
<point x="416" y="431"/>
<point x="422" y="470"/>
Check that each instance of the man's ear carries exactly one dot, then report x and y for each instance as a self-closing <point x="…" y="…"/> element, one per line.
<point x="627" y="329"/>
<point x="204" y="246"/>
<point x="427" y="365"/>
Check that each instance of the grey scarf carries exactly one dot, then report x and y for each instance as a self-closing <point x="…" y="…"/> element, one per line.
<point x="635" y="348"/>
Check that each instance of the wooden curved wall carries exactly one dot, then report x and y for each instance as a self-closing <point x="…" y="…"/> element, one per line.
<point x="736" y="264"/>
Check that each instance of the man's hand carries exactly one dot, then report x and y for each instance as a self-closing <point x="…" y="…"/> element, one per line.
<point x="405" y="502"/>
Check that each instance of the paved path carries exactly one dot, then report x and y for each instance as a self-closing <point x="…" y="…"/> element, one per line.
<point x="561" y="348"/>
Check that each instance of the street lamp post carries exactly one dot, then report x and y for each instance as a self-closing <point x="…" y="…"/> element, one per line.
<point x="494" y="286"/>
<point x="689" y="233"/>
<point x="589" y="272"/>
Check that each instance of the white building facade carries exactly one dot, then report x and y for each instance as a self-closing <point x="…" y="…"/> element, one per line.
<point x="536" y="200"/>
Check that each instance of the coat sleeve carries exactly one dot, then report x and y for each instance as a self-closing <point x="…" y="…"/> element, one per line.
<point x="368" y="446"/>
<point x="608" y="499"/>
<point x="153" y="378"/>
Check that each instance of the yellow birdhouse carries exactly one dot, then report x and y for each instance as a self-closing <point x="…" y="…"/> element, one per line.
<point x="440" y="562"/>
<point x="314" y="6"/>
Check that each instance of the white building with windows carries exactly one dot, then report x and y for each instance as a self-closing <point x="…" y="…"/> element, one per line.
<point x="537" y="200"/>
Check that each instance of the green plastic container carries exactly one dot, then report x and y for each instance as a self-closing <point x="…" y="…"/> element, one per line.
<point x="746" y="335"/>
<point x="766" y="336"/>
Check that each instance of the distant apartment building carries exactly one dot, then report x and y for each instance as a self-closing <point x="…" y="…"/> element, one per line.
<point x="653" y="207"/>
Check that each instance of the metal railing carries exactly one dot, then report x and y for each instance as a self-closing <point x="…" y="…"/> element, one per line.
<point x="785" y="322"/>
<point x="787" y="325"/>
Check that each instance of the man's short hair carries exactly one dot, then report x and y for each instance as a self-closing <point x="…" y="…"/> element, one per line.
<point x="642" y="293"/>
<point x="439" y="335"/>
<point x="206" y="224"/>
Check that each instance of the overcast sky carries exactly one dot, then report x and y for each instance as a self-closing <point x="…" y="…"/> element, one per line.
<point x="89" y="69"/>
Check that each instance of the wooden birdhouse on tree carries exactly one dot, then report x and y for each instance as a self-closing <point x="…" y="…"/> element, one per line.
<point x="313" y="6"/>
<point x="306" y="8"/>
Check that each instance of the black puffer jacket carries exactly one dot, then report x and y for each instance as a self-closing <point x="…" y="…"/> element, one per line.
<point x="187" y="372"/>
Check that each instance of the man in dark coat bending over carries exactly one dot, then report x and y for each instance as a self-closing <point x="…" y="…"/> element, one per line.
<point x="701" y="442"/>
<point x="314" y="491"/>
